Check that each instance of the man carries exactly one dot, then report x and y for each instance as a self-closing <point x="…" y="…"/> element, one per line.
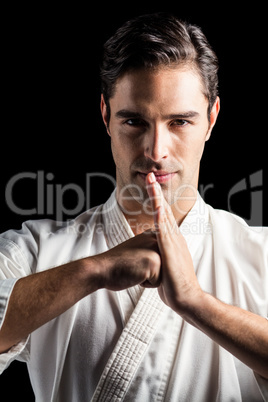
<point x="140" y="306"/>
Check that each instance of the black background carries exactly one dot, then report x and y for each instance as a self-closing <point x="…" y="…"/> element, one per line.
<point x="51" y="121"/>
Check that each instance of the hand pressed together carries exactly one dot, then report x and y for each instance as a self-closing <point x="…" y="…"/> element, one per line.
<point x="135" y="261"/>
<point x="179" y="286"/>
<point x="156" y="258"/>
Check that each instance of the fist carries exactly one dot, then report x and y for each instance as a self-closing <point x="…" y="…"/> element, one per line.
<point x="135" y="261"/>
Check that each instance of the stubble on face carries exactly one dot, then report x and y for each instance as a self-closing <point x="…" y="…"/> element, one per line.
<point x="153" y="96"/>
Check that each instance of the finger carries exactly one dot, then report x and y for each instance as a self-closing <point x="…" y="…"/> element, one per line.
<point x="152" y="283"/>
<point x="153" y="189"/>
<point x="163" y="217"/>
<point x="157" y="198"/>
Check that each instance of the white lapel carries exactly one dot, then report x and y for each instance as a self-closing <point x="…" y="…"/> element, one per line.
<point x="142" y="324"/>
<point x="130" y="348"/>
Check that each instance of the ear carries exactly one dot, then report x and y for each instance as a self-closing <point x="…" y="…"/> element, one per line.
<point x="104" y="113"/>
<point x="213" y="116"/>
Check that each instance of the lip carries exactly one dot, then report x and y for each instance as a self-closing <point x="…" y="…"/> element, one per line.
<point x="160" y="176"/>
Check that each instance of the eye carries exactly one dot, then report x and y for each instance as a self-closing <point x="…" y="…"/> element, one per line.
<point x="134" y="122"/>
<point x="180" y="122"/>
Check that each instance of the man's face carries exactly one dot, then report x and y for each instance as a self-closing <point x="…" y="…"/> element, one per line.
<point x="158" y="123"/>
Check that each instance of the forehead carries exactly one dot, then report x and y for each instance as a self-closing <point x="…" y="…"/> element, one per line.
<point x="160" y="88"/>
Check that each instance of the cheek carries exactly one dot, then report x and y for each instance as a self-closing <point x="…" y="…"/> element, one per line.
<point x="116" y="151"/>
<point x="125" y="145"/>
<point x="190" y="150"/>
<point x="124" y="152"/>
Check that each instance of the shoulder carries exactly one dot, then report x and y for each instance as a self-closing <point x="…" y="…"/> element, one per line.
<point x="49" y="242"/>
<point x="235" y="225"/>
<point x="234" y="235"/>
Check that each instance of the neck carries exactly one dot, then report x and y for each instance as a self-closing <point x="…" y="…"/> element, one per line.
<point x="140" y="218"/>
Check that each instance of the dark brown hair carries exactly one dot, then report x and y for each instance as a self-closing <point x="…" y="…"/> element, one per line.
<point x="154" y="40"/>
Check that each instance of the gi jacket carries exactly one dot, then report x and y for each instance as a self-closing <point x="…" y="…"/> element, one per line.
<point x="128" y="345"/>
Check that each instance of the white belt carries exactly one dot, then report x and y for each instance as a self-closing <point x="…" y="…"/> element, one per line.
<point x="130" y="348"/>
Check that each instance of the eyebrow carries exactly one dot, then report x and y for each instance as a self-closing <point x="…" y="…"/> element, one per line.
<point x="124" y="113"/>
<point x="191" y="114"/>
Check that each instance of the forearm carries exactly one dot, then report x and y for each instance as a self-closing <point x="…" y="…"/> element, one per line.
<point x="241" y="332"/>
<point x="38" y="298"/>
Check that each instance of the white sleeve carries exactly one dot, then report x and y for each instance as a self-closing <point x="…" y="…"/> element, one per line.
<point x="17" y="352"/>
<point x="21" y="350"/>
<point x="13" y="266"/>
<point x="6" y="287"/>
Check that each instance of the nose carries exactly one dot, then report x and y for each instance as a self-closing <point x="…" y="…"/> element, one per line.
<point x="156" y="144"/>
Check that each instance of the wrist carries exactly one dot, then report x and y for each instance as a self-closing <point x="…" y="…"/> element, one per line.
<point x="192" y="310"/>
<point x="94" y="268"/>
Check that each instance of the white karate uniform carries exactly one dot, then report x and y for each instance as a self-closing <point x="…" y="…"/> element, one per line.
<point x="146" y="351"/>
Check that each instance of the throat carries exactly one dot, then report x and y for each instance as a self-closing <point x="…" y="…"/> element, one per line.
<point x="139" y="223"/>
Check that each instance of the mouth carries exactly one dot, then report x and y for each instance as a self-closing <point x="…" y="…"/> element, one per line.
<point x="160" y="176"/>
